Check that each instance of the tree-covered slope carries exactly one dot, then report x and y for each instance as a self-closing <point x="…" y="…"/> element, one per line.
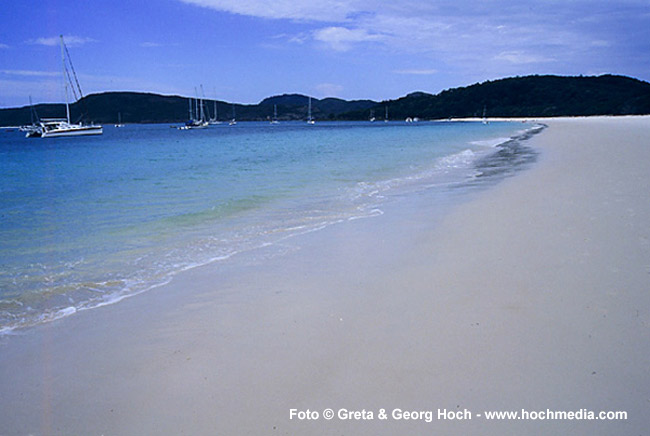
<point x="530" y="96"/>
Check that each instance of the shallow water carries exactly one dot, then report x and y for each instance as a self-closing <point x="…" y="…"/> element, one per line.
<point x="89" y="221"/>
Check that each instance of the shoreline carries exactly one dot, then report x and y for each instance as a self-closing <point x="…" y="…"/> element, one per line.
<point x="421" y="120"/>
<point x="542" y="119"/>
<point x="365" y="200"/>
<point x="530" y="294"/>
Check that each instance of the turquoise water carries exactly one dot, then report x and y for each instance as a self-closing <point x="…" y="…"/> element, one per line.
<point x="89" y="221"/>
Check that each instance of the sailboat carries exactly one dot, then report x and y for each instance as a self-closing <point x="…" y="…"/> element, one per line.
<point x="34" y="127"/>
<point x="372" y="116"/>
<point x="310" y="120"/>
<point x="203" y="121"/>
<point x="386" y="116"/>
<point x="196" y="120"/>
<point x="233" y="121"/>
<point x="484" y="121"/>
<point x="191" y="117"/>
<point x="214" y="121"/>
<point x="57" y="127"/>
<point x="119" y="120"/>
<point x="274" y="120"/>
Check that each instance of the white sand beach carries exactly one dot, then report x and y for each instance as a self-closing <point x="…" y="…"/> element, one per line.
<point x="532" y="294"/>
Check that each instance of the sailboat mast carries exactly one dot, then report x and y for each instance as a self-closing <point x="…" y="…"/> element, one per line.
<point x="31" y="110"/>
<point x="216" y="116"/>
<point x="65" y="81"/>
<point x="202" y="111"/>
<point x="196" y="105"/>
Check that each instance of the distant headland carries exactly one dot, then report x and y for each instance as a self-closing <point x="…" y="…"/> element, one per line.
<point x="527" y="96"/>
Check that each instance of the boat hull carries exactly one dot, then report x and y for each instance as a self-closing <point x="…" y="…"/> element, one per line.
<point x="73" y="131"/>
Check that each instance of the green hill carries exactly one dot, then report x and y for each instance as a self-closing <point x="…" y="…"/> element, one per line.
<point x="137" y="107"/>
<point x="530" y="96"/>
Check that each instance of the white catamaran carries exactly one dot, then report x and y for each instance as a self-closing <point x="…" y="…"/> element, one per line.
<point x="57" y="127"/>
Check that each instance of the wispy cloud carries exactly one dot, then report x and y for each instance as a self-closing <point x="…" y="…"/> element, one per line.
<point x="323" y="10"/>
<point x="342" y="38"/>
<point x="149" y="44"/>
<point x="417" y="72"/>
<point x="601" y="43"/>
<point x="521" y="57"/>
<point x="30" y="73"/>
<point x="70" y="40"/>
<point x="152" y="44"/>
<point x="504" y="34"/>
<point x="299" y="38"/>
<point x="3" y="46"/>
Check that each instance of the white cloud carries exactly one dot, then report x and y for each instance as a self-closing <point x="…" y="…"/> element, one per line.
<point x="70" y="41"/>
<point x="3" y="45"/>
<point x="323" y="10"/>
<point x="496" y="37"/>
<point x="342" y="38"/>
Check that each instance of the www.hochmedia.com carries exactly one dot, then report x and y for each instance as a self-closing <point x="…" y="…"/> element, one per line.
<point x="398" y="414"/>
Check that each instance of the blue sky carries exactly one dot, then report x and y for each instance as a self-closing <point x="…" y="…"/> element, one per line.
<point x="246" y="50"/>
